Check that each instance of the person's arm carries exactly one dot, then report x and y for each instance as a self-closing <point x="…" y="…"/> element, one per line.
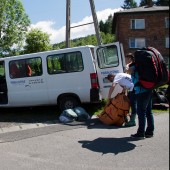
<point x="111" y="90"/>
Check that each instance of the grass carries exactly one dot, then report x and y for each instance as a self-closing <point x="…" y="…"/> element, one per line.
<point x="160" y="111"/>
<point x="98" y="108"/>
<point x="48" y="113"/>
<point x="92" y="109"/>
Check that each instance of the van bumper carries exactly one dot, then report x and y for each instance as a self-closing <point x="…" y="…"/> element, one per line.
<point x="94" y="95"/>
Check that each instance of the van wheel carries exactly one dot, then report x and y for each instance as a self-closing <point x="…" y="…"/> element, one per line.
<point x="68" y="102"/>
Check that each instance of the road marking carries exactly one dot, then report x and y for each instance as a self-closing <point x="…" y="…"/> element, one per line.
<point x="25" y="127"/>
<point x="34" y="126"/>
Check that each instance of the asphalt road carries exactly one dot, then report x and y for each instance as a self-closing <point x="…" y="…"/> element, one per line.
<point x="84" y="145"/>
<point x="19" y="116"/>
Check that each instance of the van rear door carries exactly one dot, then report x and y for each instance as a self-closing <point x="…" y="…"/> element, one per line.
<point x="109" y="59"/>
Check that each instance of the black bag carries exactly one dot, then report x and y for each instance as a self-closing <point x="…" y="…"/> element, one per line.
<point x="151" y="68"/>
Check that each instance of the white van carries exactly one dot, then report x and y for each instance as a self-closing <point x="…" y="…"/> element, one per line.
<point x="65" y="77"/>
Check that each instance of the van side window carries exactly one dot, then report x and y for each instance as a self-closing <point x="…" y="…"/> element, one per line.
<point x="14" y="69"/>
<point x="107" y="57"/>
<point x="65" y="63"/>
<point x="25" y="68"/>
<point x="2" y="69"/>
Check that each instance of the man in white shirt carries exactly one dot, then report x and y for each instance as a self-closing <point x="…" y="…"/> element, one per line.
<point x="123" y="79"/>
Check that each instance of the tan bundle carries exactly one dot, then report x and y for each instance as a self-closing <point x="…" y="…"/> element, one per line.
<point x="116" y="110"/>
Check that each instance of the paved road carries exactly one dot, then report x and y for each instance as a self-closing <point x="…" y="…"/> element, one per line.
<point x="78" y="146"/>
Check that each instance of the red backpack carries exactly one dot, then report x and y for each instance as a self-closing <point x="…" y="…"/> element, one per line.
<point x="151" y="68"/>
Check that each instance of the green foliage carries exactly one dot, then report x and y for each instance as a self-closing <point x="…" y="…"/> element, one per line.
<point x="156" y="2"/>
<point x="107" y="26"/>
<point x="128" y="4"/>
<point x="37" y="41"/>
<point x="13" y="25"/>
<point x="143" y="3"/>
<point x="89" y="40"/>
<point x="162" y="3"/>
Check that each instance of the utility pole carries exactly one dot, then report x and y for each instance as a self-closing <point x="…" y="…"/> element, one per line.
<point x="95" y="22"/>
<point x="68" y="7"/>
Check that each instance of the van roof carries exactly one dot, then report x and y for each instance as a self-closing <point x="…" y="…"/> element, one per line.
<point x="64" y="49"/>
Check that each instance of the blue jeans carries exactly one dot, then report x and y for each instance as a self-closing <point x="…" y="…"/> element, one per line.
<point x="133" y="102"/>
<point x="144" y="111"/>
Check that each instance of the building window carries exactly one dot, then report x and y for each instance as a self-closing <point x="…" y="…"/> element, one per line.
<point x="137" y="24"/>
<point x="167" y="22"/>
<point x="167" y="42"/>
<point x="137" y="42"/>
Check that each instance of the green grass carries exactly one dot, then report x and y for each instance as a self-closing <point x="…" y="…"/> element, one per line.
<point x="98" y="108"/>
<point x="160" y="111"/>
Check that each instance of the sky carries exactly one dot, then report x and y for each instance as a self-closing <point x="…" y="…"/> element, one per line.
<point x="50" y="16"/>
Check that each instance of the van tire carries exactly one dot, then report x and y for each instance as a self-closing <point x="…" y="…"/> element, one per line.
<point x="68" y="102"/>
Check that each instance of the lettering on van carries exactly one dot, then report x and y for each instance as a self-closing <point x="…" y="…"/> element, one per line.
<point x="19" y="82"/>
<point x="105" y="73"/>
<point x="36" y="81"/>
<point x="109" y="72"/>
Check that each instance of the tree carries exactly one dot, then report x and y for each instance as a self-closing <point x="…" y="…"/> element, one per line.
<point x="128" y="4"/>
<point x="156" y="2"/>
<point x="14" y="23"/>
<point x="37" y="41"/>
<point x="146" y="2"/>
<point x="102" y="26"/>
<point x="162" y="3"/>
<point x="107" y="26"/>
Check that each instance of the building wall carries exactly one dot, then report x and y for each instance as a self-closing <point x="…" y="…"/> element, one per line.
<point x="154" y="32"/>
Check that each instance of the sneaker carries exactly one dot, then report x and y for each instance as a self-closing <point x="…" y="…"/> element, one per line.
<point x="148" y="134"/>
<point x="138" y="136"/>
<point x="130" y="124"/>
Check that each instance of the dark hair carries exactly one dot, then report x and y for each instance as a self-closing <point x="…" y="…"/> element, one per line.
<point x="130" y="55"/>
<point x="109" y="76"/>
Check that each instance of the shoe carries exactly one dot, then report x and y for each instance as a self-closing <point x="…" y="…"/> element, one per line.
<point x="132" y="121"/>
<point x="138" y="136"/>
<point x="148" y="134"/>
<point x="130" y="124"/>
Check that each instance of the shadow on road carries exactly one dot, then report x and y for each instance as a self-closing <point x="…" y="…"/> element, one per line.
<point x="109" y="145"/>
<point x="29" y="115"/>
<point x="38" y="114"/>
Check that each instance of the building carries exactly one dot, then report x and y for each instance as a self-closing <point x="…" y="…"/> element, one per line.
<point x="143" y="26"/>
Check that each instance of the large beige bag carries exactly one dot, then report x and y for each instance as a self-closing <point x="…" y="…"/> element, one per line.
<point x="115" y="112"/>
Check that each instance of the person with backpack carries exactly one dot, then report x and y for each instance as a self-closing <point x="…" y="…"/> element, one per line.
<point x="144" y="111"/>
<point x="129" y="58"/>
<point x="150" y="72"/>
<point x="144" y="106"/>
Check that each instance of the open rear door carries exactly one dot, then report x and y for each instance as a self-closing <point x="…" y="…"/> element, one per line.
<point x="109" y="59"/>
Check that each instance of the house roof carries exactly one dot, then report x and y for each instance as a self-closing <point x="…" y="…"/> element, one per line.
<point x="144" y="9"/>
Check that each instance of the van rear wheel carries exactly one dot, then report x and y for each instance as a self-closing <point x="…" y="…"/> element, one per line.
<point x="68" y="102"/>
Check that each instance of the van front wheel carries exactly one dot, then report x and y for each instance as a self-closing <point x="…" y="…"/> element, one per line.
<point x="68" y="102"/>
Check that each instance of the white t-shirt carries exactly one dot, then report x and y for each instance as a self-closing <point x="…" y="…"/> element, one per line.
<point x="124" y="80"/>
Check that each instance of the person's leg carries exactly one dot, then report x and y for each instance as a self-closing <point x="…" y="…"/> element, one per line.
<point x="150" y="121"/>
<point x="143" y="99"/>
<point x="133" y="102"/>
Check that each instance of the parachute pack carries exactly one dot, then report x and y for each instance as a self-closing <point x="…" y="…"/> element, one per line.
<point x="151" y="68"/>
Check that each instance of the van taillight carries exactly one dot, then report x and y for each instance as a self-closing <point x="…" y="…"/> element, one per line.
<point x="94" y="81"/>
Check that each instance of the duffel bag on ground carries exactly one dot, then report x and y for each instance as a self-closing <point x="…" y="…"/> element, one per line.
<point x="116" y="110"/>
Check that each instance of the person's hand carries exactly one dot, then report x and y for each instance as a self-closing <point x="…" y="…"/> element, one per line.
<point x="109" y="101"/>
<point x="124" y="90"/>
